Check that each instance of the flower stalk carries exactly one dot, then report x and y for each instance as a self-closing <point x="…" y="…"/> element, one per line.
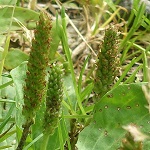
<point x="53" y="103"/>
<point x="35" y="88"/>
<point x="107" y="66"/>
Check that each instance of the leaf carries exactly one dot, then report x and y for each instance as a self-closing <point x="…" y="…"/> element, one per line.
<point x="53" y="142"/>
<point x="69" y="95"/>
<point x="26" y="16"/>
<point x="37" y="128"/>
<point x="122" y="106"/>
<point x="18" y="75"/>
<point x="55" y="41"/>
<point x="4" y="123"/>
<point x="7" y="2"/>
<point x="14" y="58"/>
<point x="7" y="135"/>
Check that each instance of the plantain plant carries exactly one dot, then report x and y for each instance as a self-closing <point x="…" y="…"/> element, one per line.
<point x="53" y="103"/>
<point x="35" y="85"/>
<point x="108" y="63"/>
<point x="81" y="123"/>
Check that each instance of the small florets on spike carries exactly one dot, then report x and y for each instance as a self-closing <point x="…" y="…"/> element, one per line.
<point x="108" y="62"/>
<point x="54" y="98"/>
<point x="35" y="87"/>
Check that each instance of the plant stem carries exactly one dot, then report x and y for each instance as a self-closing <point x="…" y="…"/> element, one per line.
<point x="45" y="141"/>
<point x="25" y="133"/>
<point x="73" y="133"/>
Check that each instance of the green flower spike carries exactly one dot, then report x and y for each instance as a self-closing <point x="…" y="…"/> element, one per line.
<point x="35" y="88"/>
<point x="54" y="99"/>
<point x="108" y="63"/>
<point x="38" y="61"/>
<point x="53" y="104"/>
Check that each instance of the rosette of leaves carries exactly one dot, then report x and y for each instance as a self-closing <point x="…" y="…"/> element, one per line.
<point x="54" y="99"/>
<point x="35" y="87"/>
<point x="107" y="62"/>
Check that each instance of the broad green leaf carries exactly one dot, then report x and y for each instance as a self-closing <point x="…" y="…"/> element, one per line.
<point x="26" y="16"/>
<point x="122" y="106"/>
<point x="14" y="58"/>
<point x="18" y="75"/>
<point x="7" y="2"/>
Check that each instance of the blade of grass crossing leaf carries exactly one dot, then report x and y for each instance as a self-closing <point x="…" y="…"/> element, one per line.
<point x="6" y="84"/>
<point x="125" y="51"/>
<point x="7" y="135"/>
<point x="127" y="70"/>
<point x="7" y="117"/>
<point x="35" y="140"/>
<point x="131" y="79"/>
<point x="12" y="14"/>
<point x="3" y="124"/>
<point x="67" y="52"/>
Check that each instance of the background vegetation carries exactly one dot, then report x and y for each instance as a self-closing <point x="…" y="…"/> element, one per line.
<point x="93" y="91"/>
